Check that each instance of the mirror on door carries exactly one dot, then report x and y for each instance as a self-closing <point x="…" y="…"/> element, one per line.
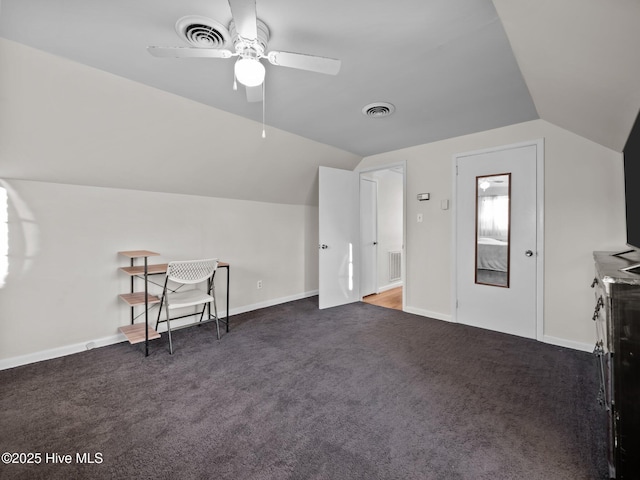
<point x="493" y="198"/>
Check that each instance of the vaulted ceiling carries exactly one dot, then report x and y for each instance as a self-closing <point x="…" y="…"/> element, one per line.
<point x="450" y="67"/>
<point x="580" y="61"/>
<point x="446" y="65"/>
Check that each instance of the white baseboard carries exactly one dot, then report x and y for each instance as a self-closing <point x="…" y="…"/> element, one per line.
<point x="389" y="287"/>
<point x="273" y="302"/>
<point x="427" y="313"/>
<point x="561" y="342"/>
<point x="60" y="351"/>
<point x="117" y="338"/>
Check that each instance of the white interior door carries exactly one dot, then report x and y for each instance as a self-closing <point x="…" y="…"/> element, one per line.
<point x="339" y="232"/>
<point x="368" y="237"/>
<point x="496" y="268"/>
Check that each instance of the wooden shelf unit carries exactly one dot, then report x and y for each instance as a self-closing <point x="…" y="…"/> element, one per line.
<point x="136" y="299"/>
<point x="140" y="332"/>
<point x="151" y="269"/>
<point x="135" y="333"/>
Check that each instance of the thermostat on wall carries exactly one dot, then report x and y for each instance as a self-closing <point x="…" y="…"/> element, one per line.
<point x="423" y="196"/>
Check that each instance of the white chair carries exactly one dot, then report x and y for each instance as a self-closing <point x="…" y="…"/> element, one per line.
<point x="189" y="272"/>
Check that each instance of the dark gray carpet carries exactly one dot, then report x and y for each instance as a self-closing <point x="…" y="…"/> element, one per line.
<point x="292" y="392"/>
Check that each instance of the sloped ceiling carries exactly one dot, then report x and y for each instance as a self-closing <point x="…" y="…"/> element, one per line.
<point x="445" y="64"/>
<point x="81" y="100"/>
<point x="63" y="122"/>
<point x="581" y="62"/>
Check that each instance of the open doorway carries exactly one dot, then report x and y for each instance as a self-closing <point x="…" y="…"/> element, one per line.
<point x="382" y="236"/>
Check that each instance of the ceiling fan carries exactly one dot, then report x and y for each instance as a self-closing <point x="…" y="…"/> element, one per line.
<point x="249" y="37"/>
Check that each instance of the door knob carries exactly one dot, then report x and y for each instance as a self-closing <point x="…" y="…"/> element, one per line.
<point x="529" y="253"/>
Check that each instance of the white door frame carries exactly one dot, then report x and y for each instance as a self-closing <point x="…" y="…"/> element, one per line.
<point x="539" y="143"/>
<point x="389" y="166"/>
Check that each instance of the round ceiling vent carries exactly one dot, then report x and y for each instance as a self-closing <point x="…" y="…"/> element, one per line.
<point x="202" y="32"/>
<point x="378" y="109"/>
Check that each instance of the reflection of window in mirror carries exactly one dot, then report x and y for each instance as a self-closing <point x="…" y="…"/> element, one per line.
<point x="493" y="195"/>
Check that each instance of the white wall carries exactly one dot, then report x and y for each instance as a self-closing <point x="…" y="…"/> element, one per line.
<point x="62" y="287"/>
<point x="584" y="211"/>
<point x="67" y="124"/>
<point x="77" y="125"/>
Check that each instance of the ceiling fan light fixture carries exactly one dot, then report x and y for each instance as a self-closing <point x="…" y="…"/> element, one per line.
<point x="249" y="72"/>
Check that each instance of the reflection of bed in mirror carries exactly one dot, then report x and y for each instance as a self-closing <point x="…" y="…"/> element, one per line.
<point x="492" y="254"/>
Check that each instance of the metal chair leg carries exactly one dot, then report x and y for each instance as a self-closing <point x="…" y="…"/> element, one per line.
<point x="215" y="312"/>
<point x="160" y="311"/>
<point x="169" y="328"/>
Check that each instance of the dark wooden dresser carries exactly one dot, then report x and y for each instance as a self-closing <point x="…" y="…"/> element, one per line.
<point x="617" y="320"/>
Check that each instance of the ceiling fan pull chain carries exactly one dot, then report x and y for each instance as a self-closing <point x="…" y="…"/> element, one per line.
<point x="264" y="134"/>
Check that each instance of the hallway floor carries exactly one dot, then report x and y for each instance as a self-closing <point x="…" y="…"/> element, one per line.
<point x="388" y="299"/>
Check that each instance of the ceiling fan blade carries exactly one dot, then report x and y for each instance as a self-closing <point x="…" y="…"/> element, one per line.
<point x="245" y="18"/>
<point x="330" y="66"/>
<point x="254" y="94"/>
<point x="189" y="52"/>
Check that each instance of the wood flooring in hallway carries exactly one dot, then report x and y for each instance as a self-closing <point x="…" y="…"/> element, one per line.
<point x="389" y="299"/>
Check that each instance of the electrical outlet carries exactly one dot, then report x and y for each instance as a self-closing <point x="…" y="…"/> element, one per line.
<point x="419" y="218"/>
<point x="259" y="284"/>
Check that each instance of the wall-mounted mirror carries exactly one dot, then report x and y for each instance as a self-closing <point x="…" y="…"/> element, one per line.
<point x="493" y="215"/>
